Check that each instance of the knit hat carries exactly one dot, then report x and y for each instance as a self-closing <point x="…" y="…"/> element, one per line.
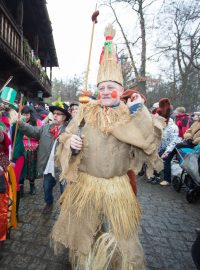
<point x="129" y="92"/>
<point x="109" y="68"/>
<point x="164" y="109"/>
<point x="180" y="110"/>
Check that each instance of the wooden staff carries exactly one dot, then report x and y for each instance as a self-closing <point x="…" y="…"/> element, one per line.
<point x="6" y="83"/>
<point x="17" y="124"/>
<point x="94" y="20"/>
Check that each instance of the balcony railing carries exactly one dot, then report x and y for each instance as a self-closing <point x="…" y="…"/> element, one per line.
<point x="9" y="33"/>
<point x="33" y="64"/>
<point x="11" y="36"/>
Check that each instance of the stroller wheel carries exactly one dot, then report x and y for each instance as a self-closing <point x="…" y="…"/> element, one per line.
<point x="177" y="183"/>
<point x="192" y="196"/>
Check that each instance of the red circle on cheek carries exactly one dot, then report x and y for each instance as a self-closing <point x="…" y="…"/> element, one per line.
<point x="99" y="95"/>
<point x="114" y="94"/>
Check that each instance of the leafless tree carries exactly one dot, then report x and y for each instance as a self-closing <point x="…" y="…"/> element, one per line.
<point x="138" y="7"/>
<point x="67" y="90"/>
<point x="181" y="22"/>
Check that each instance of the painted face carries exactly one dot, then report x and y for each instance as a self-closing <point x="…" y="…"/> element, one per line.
<point x="109" y="93"/>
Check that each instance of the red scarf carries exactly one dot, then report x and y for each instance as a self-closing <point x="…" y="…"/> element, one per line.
<point x="55" y="132"/>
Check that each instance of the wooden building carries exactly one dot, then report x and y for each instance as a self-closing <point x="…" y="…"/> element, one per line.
<point x="27" y="50"/>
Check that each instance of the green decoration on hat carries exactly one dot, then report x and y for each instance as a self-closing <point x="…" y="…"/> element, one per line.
<point x="59" y="103"/>
<point x="108" y="43"/>
<point x="8" y="96"/>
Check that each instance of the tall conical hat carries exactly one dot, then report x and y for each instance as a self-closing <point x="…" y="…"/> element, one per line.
<point x="109" y="68"/>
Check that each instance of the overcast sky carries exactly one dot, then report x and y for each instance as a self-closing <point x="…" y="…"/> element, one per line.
<point x="72" y="26"/>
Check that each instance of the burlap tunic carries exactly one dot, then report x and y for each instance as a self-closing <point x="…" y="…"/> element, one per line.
<point x="99" y="191"/>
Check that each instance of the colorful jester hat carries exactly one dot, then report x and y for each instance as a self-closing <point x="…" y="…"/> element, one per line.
<point x="109" y="68"/>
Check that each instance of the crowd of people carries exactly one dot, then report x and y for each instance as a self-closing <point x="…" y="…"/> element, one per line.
<point x="182" y="130"/>
<point x="27" y="147"/>
<point x="94" y="151"/>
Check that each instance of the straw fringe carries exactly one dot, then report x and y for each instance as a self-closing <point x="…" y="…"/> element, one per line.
<point x="105" y="254"/>
<point x="108" y="121"/>
<point x="109" y="31"/>
<point x="105" y="119"/>
<point x="113" y="198"/>
<point x="87" y="203"/>
<point x="99" y="257"/>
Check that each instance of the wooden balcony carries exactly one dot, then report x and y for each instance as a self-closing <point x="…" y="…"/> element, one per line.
<point x="17" y="48"/>
<point x="9" y="33"/>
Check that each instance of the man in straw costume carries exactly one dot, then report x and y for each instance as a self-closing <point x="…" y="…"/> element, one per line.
<point x="100" y="215"/>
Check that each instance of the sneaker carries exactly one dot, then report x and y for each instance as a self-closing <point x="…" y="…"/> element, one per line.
<point x="150" y="179"/>
<point x="47" y="209"/>
<point x="164" y="183"/>
<point x="154" y="180"/>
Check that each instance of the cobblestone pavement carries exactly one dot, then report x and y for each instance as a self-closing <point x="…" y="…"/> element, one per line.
<point x="167" y="232"/>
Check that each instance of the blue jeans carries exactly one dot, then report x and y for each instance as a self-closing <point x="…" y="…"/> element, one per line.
<point x="167" y="161"/>
<point x="48" y="185"/>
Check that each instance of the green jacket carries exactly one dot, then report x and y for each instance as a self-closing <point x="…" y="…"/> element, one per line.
<point x="46" y="141"/>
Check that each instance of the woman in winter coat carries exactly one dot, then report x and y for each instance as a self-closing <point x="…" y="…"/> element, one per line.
<point x="169" y="140"/>
<point x="31" y="148"/>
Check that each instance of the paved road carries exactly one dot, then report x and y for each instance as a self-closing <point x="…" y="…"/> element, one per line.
<point x="167" y="232"/>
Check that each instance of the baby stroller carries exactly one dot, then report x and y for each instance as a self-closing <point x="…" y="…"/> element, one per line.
<point x="189" y="161"/>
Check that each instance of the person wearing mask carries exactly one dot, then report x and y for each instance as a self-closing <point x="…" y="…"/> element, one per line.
<point x="169" y="140"/>
<point x="48" y="136"/>
<point x="100" y="214"/>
